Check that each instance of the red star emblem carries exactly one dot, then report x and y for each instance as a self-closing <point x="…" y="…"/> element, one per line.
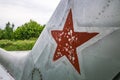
<point x="67" y="41"/>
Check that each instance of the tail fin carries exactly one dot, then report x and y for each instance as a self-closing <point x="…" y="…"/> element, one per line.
<point x="79" y="42"/>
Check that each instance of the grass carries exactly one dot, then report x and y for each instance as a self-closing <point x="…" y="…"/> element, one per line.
<point x="17" y="45"/>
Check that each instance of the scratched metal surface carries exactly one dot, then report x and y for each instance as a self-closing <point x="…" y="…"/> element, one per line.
<point x="99" y="58"/>
<point x="4" y="75"/>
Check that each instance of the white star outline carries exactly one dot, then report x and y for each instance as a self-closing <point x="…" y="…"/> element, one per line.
<point x="103" y="32"/>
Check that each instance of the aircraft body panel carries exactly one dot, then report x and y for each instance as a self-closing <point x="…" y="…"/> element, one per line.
<point x="4" y="75"/>
<point x="99" y="60"/>
<point x="91" y="28"/>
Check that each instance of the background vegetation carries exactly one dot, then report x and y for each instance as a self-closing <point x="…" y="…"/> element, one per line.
<point x="23" y="38"/>
<point x="17" y="45"/>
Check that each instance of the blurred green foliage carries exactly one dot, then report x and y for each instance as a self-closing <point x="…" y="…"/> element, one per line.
<point x="28" y="30"/>
<point x="23" y="38"/>
<point x="16" y="45"/>
<point x="1" y="34"/>
<point x="7" y="33"/>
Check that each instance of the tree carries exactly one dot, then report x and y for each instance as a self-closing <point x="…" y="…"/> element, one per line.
<point x="8" y="31"/>
<point x="1" y="34"/>
<point x="29" y="30"/>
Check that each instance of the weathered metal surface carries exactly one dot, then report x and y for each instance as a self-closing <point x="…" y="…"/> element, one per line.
<point x="97" y="59"/>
